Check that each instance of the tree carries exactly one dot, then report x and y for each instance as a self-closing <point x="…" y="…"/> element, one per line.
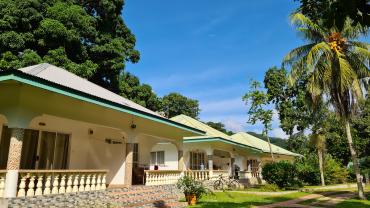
<point x="289" y="100"/>
<point x="219" y="126"/>
<point x="258" y="111"/>
<point x="336" y="65"/>
<point x="175" y="104"/>
<point x="88" y="38"/>
<point x="334" y="12"/>
<point x="142" y="94"/>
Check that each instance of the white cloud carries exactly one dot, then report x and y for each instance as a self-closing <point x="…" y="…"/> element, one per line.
<point x="234" y="125"/>
<point x="278" y="132"/>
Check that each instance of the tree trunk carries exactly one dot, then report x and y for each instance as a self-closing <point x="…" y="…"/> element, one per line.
<point x="272" y="154"/>
<point x="321" y="164"/>
<point x="355" y="161"/>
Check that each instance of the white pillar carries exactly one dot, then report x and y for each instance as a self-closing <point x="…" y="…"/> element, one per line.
<point x="210" y="165"/>
<point x="14" y="160"/>
<point x="129" y="158"/>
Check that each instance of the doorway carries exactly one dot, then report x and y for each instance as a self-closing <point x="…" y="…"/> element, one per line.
<point x="40" y="150"/>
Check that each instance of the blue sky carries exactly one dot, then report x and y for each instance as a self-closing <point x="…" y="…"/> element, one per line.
<point x="209" y="50"/>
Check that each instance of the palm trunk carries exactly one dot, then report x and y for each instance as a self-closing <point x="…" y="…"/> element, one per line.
<point x="355" y="161"/>
<point x="321" y="164"/>
<point x="272" y="154"/>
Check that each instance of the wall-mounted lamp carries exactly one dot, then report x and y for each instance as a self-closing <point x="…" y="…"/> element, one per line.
<point x="91" y="132"/>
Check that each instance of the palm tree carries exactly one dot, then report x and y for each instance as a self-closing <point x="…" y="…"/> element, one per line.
<point x="336" y="65"/>
<point x="318" y="140"/>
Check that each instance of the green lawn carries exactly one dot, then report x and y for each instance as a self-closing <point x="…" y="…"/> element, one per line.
<point x="355" y="203"/>
<point x="238" y="200"/>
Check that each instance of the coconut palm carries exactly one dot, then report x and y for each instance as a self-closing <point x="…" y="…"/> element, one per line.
<point x="336" y="65"/>
<point x="318" y="140"/>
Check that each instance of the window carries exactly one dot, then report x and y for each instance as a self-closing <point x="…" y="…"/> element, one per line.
<point x="157" y="158"/>
<point x="197" y="159"/>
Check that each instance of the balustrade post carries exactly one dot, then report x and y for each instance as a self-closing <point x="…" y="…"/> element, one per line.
<point x="82" y="183"/>
<point x="2" y="185"/>
<point x="47" y="190"/>
<point x="69" y="183"/>
<point x="75" y="183"/>
<point x="22" y="185"/>
<point x="88" y="182"/>
<point x="55" y="190"/>
<point x="62" y="188"/>
<point x="98" y="182"/>
<point x="31" y="186"/>
<point x="93" y="182"/>
<point x="38" y="191"/>
<point x="103" y="181"/>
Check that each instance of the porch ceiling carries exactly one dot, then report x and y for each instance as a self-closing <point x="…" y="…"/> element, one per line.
<point x="24" y="95"/>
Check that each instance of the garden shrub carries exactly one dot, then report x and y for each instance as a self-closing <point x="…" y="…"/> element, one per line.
<point x="309" y="171"/>
<point x="283" y="174"/>
<point x="270" y="187"/>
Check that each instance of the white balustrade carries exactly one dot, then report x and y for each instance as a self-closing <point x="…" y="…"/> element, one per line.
<point x="161" y="177"/>
<point x="217" y="173"/>
<point x="44" y="182"/>
<point x="199" y="175"/>
<point x="2" y="182"/>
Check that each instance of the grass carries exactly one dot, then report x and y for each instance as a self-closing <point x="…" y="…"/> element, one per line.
<point x="245" y="200"/>
<point x="239" y="200"/>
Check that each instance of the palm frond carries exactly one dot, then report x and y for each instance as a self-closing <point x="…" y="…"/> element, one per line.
<point x="351" y="31"/>
<point x="316" y="52"/>
<point x="296" y="54"/>
<point x="301" y="21"/>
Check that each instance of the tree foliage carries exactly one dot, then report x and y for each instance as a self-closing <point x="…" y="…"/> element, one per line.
<point x="88" y="38"/>
<point x="258" y="101"/>
<point x="219" y="126"/>
<point x="332" y="13"/>
<point x="336" y="65"/>
<point x="289" y="101"/>
<point x="142" y="94"/>
<point x="175" y="104"/>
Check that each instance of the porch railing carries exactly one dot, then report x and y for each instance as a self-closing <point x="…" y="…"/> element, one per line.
<point x="199" y="175"/>
<point x="161" y="177"/>
<point x="216" y="173"/>
<point x="45" y="182"/>
<point x="2" y="182"/>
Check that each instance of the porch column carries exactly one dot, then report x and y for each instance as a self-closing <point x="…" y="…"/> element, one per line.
<point x="129" y="163"/>
<point x="232" y="161"/>
<point x="210" y="165"/>
<point x="14" y="161"/>
<point x="181" y="162"/>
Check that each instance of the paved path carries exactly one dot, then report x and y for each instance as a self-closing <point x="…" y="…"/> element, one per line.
<point x="319" y="201"/>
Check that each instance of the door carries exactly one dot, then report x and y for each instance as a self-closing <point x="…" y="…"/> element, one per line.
<point x="52" y="151"/>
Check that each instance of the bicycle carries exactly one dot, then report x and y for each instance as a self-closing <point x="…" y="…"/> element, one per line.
<point x="222" y="184"/>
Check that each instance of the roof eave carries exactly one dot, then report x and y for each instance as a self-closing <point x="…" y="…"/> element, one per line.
<point x="211" y="139"/>
<point x="22" y="77"/>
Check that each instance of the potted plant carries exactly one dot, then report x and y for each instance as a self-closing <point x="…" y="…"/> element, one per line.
<point x="192" y="189"/>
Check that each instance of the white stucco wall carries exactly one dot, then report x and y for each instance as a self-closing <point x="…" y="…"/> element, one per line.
<point x="170" y="156"/>
<point x="89" y="151"/>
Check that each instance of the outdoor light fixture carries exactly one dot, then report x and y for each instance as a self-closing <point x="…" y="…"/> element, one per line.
<point x="91" y="132"/>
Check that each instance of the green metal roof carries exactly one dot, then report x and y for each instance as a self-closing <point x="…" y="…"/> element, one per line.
<point x="261" y="144"/>
<point x="211" y="133"/>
